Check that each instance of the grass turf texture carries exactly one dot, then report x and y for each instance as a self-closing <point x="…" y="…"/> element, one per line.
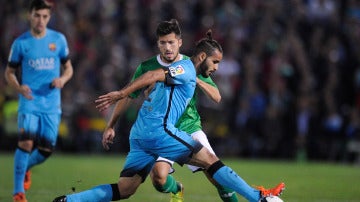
<point x="320" y="182"/>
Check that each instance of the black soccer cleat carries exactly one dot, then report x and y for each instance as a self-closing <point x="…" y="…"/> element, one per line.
<point x="60" y="199"/>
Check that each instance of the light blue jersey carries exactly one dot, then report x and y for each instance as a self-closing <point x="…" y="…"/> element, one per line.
<point x="154" y="133"/>
<point x="40" y="60"/>
<point x="166" y="102"/>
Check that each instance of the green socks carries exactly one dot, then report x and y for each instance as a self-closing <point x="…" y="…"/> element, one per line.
<point x="169" y="186"/>
<point x="226" y="194"/>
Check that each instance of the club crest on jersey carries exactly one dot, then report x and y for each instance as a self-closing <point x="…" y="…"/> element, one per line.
<point x="178" y="70"/>
<point x="52" y="46"/>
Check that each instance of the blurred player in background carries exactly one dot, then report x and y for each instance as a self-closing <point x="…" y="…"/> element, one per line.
<point x="154" y="133"/>
<point x="169" y="42"/>
<point x="37" y="55"/>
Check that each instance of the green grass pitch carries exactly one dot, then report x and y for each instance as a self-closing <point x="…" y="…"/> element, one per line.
<point x="315" y="182"/>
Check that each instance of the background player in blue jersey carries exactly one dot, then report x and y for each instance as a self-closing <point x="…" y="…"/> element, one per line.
<point x="154" y="133"/>
<point x="38" y="54"/>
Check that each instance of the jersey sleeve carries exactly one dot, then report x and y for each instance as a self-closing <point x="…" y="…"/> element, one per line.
<point x="15" y="56"/>
<point x="137" y="74"/>
<point x="64" y="50"/>
<point x="177" y="73"/>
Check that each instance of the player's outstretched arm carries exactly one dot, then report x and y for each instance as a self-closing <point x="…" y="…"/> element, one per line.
<point x="105" y="101"/>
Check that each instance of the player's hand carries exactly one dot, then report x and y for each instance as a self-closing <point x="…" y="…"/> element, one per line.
<point x="26" y="92"/>
<point x="108" y="138"/>
<point x="105" y="101"/>
<point x="148" y="90"/>
<point x="57" y="83"/>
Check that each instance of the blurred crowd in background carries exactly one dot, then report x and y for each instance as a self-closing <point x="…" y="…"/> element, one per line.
<point x="289" y="80"/>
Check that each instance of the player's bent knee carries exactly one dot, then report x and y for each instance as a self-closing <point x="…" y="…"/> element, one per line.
<point x="159" y="173"/>
<point x="158" y="180"/>
<point x="26" y="145"/>
<point x="45" y="153"/>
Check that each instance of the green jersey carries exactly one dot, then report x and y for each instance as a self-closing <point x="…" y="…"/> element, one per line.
<point x="190" y="121"/>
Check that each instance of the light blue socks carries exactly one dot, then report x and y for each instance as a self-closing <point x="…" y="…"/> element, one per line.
<point x="228" y="178"/>
<point x="20" y="164"/>
<point x="35" y="158"/>
<point x="101" y="193"/>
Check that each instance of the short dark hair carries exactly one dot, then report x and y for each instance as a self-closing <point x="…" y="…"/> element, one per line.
<point x="38" y="4"/>
<point x="207" y="45"/>
<point x="168" y="27"/>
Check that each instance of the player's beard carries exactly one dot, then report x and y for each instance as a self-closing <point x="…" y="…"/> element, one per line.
<point x="203" y="68"/>
<point x="170" y="60"/>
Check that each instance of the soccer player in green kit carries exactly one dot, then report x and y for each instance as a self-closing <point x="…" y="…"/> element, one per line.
<point x="169" y="43"/>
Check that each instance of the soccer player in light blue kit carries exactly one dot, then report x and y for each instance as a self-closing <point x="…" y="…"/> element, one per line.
<point x="39" y="53"/>
<point x="154" y="133"/>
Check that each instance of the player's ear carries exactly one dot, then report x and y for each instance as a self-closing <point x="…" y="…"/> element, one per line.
<point x="180" y="42"/>
<point x="202" y="56"/>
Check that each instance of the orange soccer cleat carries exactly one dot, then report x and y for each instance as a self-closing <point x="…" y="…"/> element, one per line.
<point x="276" y="191"/>
<point x="27" y="180"/>
<point x="19" y="197"/>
